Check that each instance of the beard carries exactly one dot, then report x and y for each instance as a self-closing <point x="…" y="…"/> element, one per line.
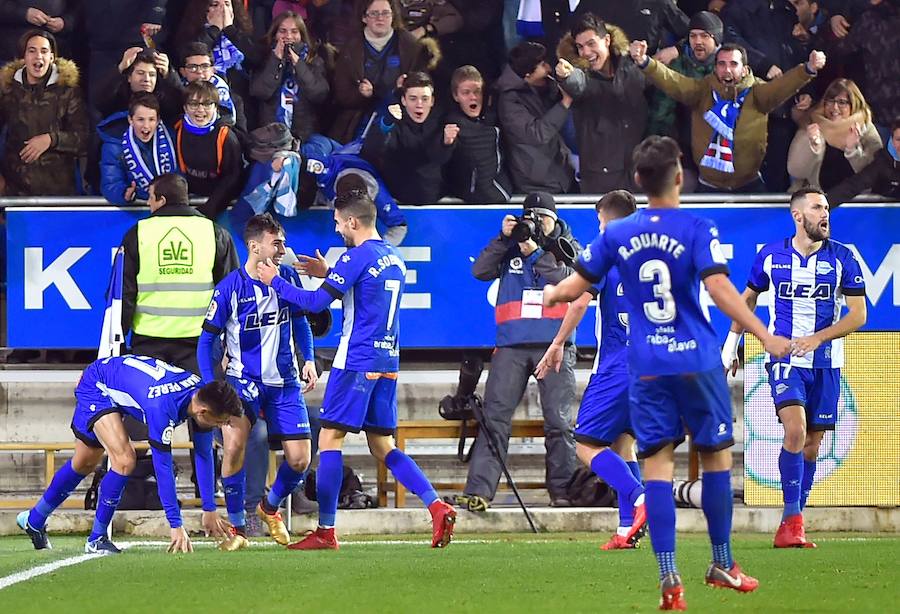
<point x="814" y="231"/>
<point x="348" y="241"/>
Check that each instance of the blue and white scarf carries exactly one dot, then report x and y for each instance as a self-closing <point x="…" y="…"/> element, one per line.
<point x="226" y="56"/>
<point x="163" y="156"/>
<point x="280" y="191"/>
<point x="290" y="90"/>
<point x="225" y="100"/>
<point x="195" y="129"/>
<point x="723" y="117"/>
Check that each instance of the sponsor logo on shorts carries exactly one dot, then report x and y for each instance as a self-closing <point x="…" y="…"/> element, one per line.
<point x="722" y="428"/>
<point x="781" y="388"/>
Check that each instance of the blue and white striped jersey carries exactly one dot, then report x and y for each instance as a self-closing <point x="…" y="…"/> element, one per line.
<point x="807" y="295"/>
<point x="259" y="337"/>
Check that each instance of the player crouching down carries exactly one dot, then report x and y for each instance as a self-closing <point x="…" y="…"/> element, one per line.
<point x="153" y="392"/>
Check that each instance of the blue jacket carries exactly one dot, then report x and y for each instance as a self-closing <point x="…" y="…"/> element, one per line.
<point x="114" y="176"/>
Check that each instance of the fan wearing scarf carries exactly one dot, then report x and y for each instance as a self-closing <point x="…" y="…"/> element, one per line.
<point x="130" y="161"/>
<point x="836" y="139"/>
<point x="292" y="83"/>
<point x="197" y="65"/>
<point x="208" y="152"/>
<point x="729" y="112"/>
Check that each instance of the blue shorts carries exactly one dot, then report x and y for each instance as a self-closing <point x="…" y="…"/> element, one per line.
<point x="282" y="407"/>
<point x="816" y="390"/>
<point x="603" y="414"/>
<point x="91" y="404"/>
<point x="359" y="401"/>
<point x="663" y="406"/>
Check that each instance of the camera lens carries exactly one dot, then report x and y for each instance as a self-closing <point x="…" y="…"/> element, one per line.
<point x="523" y="230"/>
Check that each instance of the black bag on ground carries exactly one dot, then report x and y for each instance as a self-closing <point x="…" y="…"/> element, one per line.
<point x="586" y="490"/>
<point x="351" y="497"/>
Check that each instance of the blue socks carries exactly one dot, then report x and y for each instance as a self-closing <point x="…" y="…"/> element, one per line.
<point x="235" y="487"/>
<point x="285" y="482"/>
<point x="718" y="502"/>
<point x="790" y="465"/>
<point x="610" y="467"/>
<point x="62" y="485"/>
<point x="111" y="488"/>
<point x="328" y="485"/>
<point x="407" y="472"/>
<point x="809" y="474"/>
<point x="635" y="468"/>
<point x="661" y="518"/>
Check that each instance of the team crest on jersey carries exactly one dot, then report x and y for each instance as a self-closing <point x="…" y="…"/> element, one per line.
<point x="515" y="264"/>
<point x="823" y="268"/>
<point x="211" y="311"/>
<point x="167" y="434"/>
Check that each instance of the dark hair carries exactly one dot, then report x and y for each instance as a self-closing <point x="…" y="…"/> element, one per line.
<point x="269" y="38"/>
<point x="350" y="182"/>
<point x="802" y="193"/>
<point x="201" y="90"/>
<point x="656" y="161"/>
<point x="221" y="399"/>
<point x="23" y="40"/>
<point x="258" y="225"/>
<point x="617" y="204"/>
<point x="733" y="47"/>
<point x="895" y="125"/>
<point x="143" y="99"/>
<point x="416" y="79"/>
<point x="173" y="187"/>
<point x="195" y="48"/>
<point x="588" y="21"/>
<point x="362" y="7"/>
<point x="147" y="56"/>
<point x="358" y="204"/>
<point x="524" y="57"/>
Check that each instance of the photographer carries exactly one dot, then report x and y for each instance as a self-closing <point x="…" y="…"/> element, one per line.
<point x="530" y="252"/>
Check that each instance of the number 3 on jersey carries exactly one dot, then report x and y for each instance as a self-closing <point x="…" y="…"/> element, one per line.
<point x="392" y="286"/>
<point x="662" y="310"/>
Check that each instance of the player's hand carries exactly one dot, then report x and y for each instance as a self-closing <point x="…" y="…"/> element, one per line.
<point x="816" y="61"/>
<point x="777" y="346"/>
<point x="638" y="52"/>
<point x="180" y="541"/>
<point x="309" y="375"/>
<point x="552" y="359"/>
<point x="563" y="68"/>
<point x="840" y="26"/>
<point x="451" y="131"/>
<point x="215" y="526"/>
<point x="314" y="266"/>
<point x="506" y="227"/>
<point x="35" y="148"/>
<point x="804" y="345"/>
<point x="267" y="271"/>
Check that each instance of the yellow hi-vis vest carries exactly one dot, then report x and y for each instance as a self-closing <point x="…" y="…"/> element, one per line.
<point x="174" y="280"/>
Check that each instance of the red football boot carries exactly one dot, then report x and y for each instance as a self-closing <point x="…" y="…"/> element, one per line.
<point x="733" y="578"/>
<point x="320" y="539"/>
<point x="640" y="519"/>
<point x="791" y="533"/>
<point x="672" y="593"/>
<point x="443" y="519"/>
<point x="619" y="542"/>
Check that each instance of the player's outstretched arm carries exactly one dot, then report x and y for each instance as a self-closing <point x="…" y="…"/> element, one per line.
<point x="566" y="291"/>
<point x="165" y="485"/>
<point x="730" y="348"/>
<point x="726" y="297"/>
<point x="855" y="317"/>
<point x="552" y="358"/>
<point x="309" y="301"/>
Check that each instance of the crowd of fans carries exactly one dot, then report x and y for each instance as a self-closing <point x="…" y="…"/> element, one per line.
<point x="424" y="99"/>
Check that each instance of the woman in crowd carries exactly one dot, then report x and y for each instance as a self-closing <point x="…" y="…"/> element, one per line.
<point x="208" y="152"/>
<point x="836" y="138"/>
<point x="292" y="82"/>
<point x="369" y="67"/>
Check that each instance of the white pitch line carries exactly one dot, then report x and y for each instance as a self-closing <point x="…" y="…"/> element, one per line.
<point x="40" y="570"/>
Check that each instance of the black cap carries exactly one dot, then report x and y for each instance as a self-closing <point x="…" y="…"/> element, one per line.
<point x="524" y="57"/>
<point x="541" y="202"/>
<point x="708" y="22"/>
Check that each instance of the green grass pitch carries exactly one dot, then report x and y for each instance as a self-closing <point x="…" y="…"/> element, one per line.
<point x="499" y="573"/>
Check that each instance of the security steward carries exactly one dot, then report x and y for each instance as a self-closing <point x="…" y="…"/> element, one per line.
<point x="525" y="328"/>
<point x="173" y="260"/>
